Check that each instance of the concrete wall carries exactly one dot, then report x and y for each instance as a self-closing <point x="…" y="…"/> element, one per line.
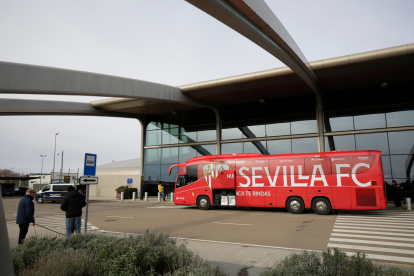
<point x="108" y="184"/>
<point x="111" y="176"/>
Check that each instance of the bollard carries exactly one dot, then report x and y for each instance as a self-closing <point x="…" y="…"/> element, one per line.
<point x="133" y="196"/>
<point x="146" y="196"/>
<point x="172" y="197"/>
<point x="408" y="203"/>
<point x="159" y="197"/>
<point x="122" y="196"/>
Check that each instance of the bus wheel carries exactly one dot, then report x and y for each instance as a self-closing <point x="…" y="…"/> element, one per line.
<point x="203" y="203"/>
<point x="39" y="200"/>
<point x="295" y="205"/>
<point x="321" y="206"/>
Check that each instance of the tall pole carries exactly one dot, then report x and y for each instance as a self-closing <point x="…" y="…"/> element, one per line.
<point x="54" y="155"/>
<point x="85" y="229"/>
<point x="41" y="170"/>
<point x="6" y="263"/>
<point x="61" y="168"/>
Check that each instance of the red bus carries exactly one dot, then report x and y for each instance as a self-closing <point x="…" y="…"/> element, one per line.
<point x="340" y="180"/>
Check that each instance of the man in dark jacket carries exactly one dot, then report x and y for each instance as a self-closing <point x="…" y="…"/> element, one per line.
<point x="25" y="213"/>
<point x="72" y="204"/>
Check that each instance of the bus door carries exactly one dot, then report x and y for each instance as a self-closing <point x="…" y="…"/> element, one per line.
<point x="251" y="182"/>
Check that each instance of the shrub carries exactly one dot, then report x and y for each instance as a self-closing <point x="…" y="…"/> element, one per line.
<point x="127" y="191"/>
<point x="146" y="254"/>
<point x="331" y="263"/>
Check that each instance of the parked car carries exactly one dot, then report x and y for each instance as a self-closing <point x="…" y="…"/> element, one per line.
<point x="20" y="191"/>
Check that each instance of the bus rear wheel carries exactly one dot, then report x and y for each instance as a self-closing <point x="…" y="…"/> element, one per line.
<point x="295" y="205"/>
<point x="203" y="203"/>
<point x="321" y="206"/>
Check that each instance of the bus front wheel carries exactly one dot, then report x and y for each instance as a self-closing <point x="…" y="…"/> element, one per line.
<point x="39" y="200"/>
<point x="321" y="206"/>
<point x="295" y="205"/>
<point x="203" y="203"/>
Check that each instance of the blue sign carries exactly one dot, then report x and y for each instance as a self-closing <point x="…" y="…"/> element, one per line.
<point x="90" y="164"/>
<point x="129" y="181"/>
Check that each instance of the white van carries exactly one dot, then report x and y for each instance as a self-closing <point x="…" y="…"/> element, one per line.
<point x="53" y="192"/>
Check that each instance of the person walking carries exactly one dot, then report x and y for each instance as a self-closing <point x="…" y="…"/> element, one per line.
<point x="397" y="194"/>
<point x="161" y="190"/>
<point x="72" y="204"/>
<point x="25" y="214"/>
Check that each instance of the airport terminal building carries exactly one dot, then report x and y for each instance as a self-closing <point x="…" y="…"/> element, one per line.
<point x="368" y="103"/>
<point x="361" y="101"/>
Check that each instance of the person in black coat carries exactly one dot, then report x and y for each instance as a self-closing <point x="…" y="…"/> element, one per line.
<point x="397" y="194"/>
<point x="72" y="204"/>
<point x="25" y="214"/>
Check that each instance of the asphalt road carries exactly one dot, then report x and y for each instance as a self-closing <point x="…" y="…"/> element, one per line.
<point x="259" y="226"/>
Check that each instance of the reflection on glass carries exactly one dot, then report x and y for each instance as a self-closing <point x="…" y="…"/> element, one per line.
<point x="206" y="150"/>
<point x="278" y="129"/>
<point x="169" y="155"/>
<point x="254" y="147"/>
<point x="402" y="166"/>
<point x="154" y="126"/>
<point x="400" y="118"/>
<point x="188" y="135"/>
<point x="153" y="138"/>
<point x="369" y="121"/>
<point x="279" y="146"/>
<point x="386" y="166"/>
<point x="254" y="131"/>
<point x="206" y="135"/>
<point x="169" y="125"/>
<point x="152" y="156"/>
<point x="170" y="136"/>
<point x="186" y="153"/>
<point x="305" y="145"/>
<point x="164" y="173"/>
<point x="232" y="148"/>
<point x="372" y="141"/>
<point x="401" y="142"/>
<point x="152" y="172"/>
<point x="342" y="142"/>
<point x="341" y="123"/>
<point x="231" y="133"/>
<point x="302" y="127"/>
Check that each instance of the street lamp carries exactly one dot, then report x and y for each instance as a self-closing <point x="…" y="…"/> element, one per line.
<point x="54" y="155"/>
<point x="41" y="170"/>
<point x="61" y="168"/>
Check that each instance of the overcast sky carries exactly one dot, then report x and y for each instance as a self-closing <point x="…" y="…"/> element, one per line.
<point x="163" y="41"/>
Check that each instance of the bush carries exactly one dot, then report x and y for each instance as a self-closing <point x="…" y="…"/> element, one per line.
<point x="331" y="263"/>
<point x="146" y="254"/>
<point x="127" y="191"/>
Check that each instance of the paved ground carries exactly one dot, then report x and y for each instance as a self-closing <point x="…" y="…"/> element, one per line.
<point x="242" y="241"/>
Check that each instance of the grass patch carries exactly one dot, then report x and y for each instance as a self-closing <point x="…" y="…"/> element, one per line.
<point x="331" y="263"/>
<point x="92" y="254"/>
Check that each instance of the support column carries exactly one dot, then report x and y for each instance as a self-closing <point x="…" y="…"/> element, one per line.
<point x="144" y="124"/>
<point x="217" y="111"/>
<point x="320" y="123"/>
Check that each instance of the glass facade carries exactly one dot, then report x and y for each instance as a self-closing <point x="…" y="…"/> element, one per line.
<point x="276" y="120"/>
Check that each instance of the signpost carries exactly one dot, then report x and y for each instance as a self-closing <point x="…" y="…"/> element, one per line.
<point x="129" y="180"/>
<point x="89" y="178"/>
